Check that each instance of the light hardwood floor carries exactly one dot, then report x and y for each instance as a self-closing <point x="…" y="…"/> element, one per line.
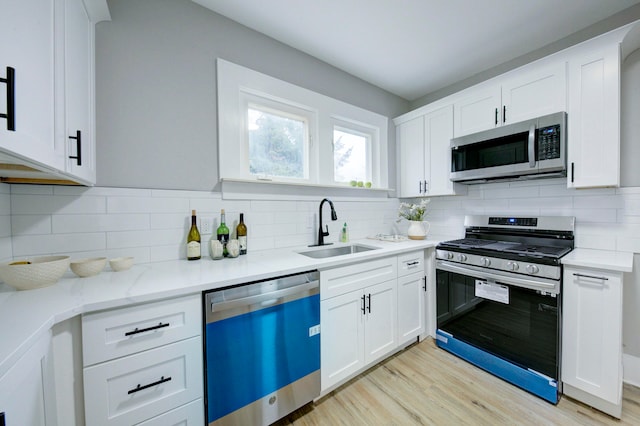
<point x="425" y="385"/>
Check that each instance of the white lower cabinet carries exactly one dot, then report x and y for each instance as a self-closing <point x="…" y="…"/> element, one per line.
<point x="144" y="362"/>
<point x="23" y="399"/>
<point x="358" y="328"/>
<point x="592" y="338"/>
<point x="369" y="310"/>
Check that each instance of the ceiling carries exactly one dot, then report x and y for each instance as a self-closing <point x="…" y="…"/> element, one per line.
<point x="414" y="47"/>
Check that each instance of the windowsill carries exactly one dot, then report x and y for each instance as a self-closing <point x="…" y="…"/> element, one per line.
<point x="270" y="190"/>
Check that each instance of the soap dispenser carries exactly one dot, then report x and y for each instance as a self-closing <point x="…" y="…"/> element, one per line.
<point x="344" y="235"/>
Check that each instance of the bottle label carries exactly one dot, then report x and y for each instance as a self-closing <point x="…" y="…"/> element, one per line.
<point x="242" y="240"/>
<point x="193" y="249"/>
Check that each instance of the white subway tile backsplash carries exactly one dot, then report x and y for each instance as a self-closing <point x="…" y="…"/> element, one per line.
<point x="149" y="238"/>
<point x="52" y="204"/>
<point x="32" y="224"/>
<point x="117" y="204"/>
<point x="32" y="189"/>
<point x="29" y="245"/>
<point x="172" y="220"/>
<point x="5" y="204"/>
<point x="5" y="226"/>
<point x="6" y="249"/>
<point x="62" y="224"/>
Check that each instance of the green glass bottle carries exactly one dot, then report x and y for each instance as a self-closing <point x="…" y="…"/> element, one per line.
<point x="223" y="233"/>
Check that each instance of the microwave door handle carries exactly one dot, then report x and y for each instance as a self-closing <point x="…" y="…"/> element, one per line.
<point x="532" y="146"/>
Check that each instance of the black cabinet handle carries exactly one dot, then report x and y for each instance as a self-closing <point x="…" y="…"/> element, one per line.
<point x="10" y="115"/>
<point x="424" y="287"/>
<point x="364" y="310"/>
<point x="150" y="385"/>
<point x="413" y="263"/>
<point x="504" y="113"/>
<point x="590" y="276"/>
<point x="420" y="183"/>
<point x="572" y="172"/>
<point x="369" y="297"/>
<point x="496" y="116"/>
<point x="78" y="138"/>
<point x="144" y="330"/>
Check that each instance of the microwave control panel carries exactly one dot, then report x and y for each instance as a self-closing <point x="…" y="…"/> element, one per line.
<point x="549" y="142"/>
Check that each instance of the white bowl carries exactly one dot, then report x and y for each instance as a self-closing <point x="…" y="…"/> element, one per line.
<point x="34" y="273"/>
<point x="88" y="267"/>
<point x="121" y="263"/>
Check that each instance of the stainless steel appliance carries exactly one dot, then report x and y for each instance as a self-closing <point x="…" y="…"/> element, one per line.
<point x="499" y="297"/>
<point x="262" y="349"/>
<point x="530" y="149"/>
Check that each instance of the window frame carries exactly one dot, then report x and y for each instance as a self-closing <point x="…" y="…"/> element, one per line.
<point x="371" y="136"/>
<point x="239" y="86"/>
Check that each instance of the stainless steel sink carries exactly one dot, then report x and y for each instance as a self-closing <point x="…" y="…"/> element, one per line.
<point x="337" y="251"/>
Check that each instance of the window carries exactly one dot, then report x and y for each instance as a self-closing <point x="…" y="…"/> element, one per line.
<point x="351" y="155"/>
<point x="278" y="143"/>
<point x="271" y="130"/>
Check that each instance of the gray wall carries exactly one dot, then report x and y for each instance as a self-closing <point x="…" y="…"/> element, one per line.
<point x="156" y="91"/>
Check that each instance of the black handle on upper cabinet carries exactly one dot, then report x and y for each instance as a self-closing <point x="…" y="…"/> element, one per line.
<point x="10" y="115"/>
<point x="78" y="138"/>
<point x="504" y="113"/>
<point x="420" y="183"/>
<point x="496" y="116"/>
<point x="369" y="297"/>
<point x="364" y="310"/>
<point x="572" y="172"/>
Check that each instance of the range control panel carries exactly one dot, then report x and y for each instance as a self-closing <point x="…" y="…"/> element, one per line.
<point x="514" y="221"/>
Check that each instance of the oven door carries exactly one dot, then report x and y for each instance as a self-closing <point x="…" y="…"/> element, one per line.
<point x="511" y="331"/>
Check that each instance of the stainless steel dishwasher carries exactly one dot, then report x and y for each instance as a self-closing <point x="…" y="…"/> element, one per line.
<point x="262" y="349"/>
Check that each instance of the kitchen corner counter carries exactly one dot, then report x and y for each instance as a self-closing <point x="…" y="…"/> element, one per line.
<point x="600" y="259"/>
<point x="27" y="315"/>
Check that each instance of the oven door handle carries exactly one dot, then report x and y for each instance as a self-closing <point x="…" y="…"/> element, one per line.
<point x="543" y="284"/>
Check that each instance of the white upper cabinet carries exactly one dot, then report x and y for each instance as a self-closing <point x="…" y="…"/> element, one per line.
<point x="523" y="94"/>
<point x="594" y="117"/>
<point x="74" y="95"/>
<point x="27" y="52"/>
<point x="425" y="154"/>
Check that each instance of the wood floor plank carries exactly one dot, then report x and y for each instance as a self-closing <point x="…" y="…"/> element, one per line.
<point x="425" y="385"/>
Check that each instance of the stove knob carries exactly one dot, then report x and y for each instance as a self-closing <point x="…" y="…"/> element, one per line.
<point x="449" y="255"/>
<point x="485" y="261"/>
<point x="532" y="269"/>
<point x="512" y="265"/>
<point x="462" y="257"/>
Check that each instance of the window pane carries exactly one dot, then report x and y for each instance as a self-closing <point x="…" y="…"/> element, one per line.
<point x="277" y="145"/>
<point x="351" y="156"/>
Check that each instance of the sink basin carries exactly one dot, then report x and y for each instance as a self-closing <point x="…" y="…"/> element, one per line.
<point x="337" y="251"/>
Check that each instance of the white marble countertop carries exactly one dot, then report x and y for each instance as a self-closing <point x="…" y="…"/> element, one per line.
<point x="27" y="315"/>
<point x="600" y="259"/>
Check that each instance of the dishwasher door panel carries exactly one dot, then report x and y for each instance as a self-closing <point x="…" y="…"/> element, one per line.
<point x="254" y="354"/>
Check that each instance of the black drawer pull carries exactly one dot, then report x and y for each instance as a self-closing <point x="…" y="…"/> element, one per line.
<point x="590" y="276"/>
<point x="144" y="330"/>
<point x="78" y="138"/>
<point x="150" y="385"/>
<point x="417" y="262"/>
<point x="10" y="115"/>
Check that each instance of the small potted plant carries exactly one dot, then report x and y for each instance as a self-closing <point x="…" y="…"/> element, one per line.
<point x="415" y="213"/>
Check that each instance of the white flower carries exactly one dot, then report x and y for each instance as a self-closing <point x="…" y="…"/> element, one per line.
<point x="413" y="211"/>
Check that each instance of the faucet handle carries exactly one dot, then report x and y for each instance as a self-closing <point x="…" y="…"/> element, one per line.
<point x="326" y="233"/>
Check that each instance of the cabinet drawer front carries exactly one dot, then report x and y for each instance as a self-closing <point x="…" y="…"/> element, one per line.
<point x="334" y="282"/>
<point x="410" y="263"/>
<point x="119" y="332"/>
<point x="191" y="414"/>
<point x="141" y="386"/>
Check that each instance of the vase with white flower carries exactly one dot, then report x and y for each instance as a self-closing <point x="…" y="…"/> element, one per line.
<point x="414" y="213"/>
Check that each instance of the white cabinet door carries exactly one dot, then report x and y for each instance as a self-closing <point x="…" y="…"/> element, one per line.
<point x="191" y="414"/>
<point x="22" y="389"/>
<point x="341" y="337"/>
<point x="594" y="119"/>
<point x="478" y="110"/>
<point x="438" y="134"/>
<point x="27" y="31"/>
<point x="78" y="91"/>
<point x="380" y="321"/>
<point x="411" y="301"/>
<point x="411" y="157"/>
<point x="592" y="335"/>
<point x="535" y="93"/>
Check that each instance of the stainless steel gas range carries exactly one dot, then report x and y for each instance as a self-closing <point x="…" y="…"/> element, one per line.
<point x="499" y="297"/>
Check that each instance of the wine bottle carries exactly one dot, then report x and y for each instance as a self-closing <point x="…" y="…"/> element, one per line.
<point x="241" y="233"/>
<point x="223" y="233"/>
<point x="193" y="239"/>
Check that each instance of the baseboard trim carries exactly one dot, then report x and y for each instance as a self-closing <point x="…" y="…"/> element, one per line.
<point x="631" y="368"/>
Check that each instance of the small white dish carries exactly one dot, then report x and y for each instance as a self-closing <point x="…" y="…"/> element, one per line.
<point x="88" y="267"/>
<point x="121" y="263"/>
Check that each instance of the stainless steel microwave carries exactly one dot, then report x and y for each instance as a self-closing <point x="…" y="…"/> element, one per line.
<point x="526" y="150"/>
